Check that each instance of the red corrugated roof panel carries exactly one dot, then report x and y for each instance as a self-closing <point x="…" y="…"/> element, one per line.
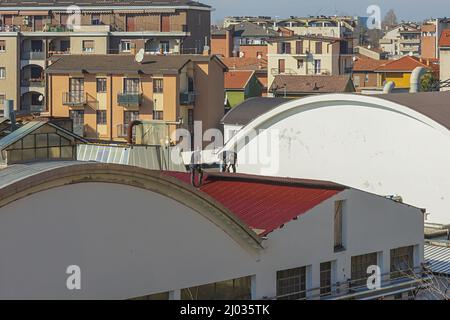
<point x="264" y="203"/>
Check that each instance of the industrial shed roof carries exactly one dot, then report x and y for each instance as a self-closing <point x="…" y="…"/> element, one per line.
<point x="438" y="256"/>
<point x="264" y="203"/>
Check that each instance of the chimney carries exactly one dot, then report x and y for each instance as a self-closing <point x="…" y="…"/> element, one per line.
<point x="206" y="48"/>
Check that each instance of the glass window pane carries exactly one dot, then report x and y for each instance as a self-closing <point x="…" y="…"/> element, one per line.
<point x="67" y="152"/>
<point x="41" y="140"/>
<point x="53" y="140"/>
<point x="54" y="152"/>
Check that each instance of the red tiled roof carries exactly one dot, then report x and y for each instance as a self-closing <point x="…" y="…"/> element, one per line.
<point x="311" y="84"/>
<point x="367" y="64"/>
<point x="264" y="203"/>
<point x="235" y="63"/>
<point x="237" y="79"/>
<point x="405" y="63"/>
<point x="444" y="41"/>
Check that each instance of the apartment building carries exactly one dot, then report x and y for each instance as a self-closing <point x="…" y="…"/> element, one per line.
<point x="308" y="55"/>
<point x="102" y="94"/>
<point x="444" y="58"/>
<point x="431" y="32"/>
<point x="31" y="32"/>
<point x="402" y="40"/>
<point x="242" y="40"/>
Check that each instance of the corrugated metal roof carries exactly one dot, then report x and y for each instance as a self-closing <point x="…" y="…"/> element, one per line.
<point x="149" y="157"/>
<point x="264" y="204"/>
<point x="438" y="257"/>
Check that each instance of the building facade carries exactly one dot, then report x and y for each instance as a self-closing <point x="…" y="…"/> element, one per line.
<point x="30" y="35"/>
<point x="104" y="93"/>
<point x="307" y="55"/>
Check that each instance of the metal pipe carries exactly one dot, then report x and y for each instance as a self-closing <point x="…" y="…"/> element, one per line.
<point x="388" y="87"/>
<point x="416" y="75"/>
<point x="130" y="130"/>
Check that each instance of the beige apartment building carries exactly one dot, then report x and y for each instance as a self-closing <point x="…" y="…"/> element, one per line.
<point x="31" y="33"/>
<point x="307" y="55"/>
<point x="102" y="94"/>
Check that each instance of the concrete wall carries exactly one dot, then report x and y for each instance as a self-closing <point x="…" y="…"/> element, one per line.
<point x="130" y="242"/>
<point x="363" y="142"/>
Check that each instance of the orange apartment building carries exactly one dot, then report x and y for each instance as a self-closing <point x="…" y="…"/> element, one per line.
<point x="102" y="94"/>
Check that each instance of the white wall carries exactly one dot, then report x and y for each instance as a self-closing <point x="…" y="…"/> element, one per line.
<point x="131" y="242"/>
<point x="359" y="141"/>
<point x="128" y="242"/>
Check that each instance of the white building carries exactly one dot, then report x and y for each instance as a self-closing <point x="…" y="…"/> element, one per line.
<point x="444" y="58"/>
<point x="396" y="144"/>
<point x="122" y="232"/>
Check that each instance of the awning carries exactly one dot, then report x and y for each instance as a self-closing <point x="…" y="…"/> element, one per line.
<point x="34" y="13"/>
<point x="83" y="11"/>
<point x="3" y="12"/>
<point x="129" y="11"/>
<point x="160" y="11"/>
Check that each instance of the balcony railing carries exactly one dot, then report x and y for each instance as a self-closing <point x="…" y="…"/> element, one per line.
<point x="33" y="83"/>
<point x="129" y="99"/>
<point x="9" y="28"/>
<point x="77" y="98"/>
<point x="34" y="108"/>
<point x="187" y="98"/>
<point x="392" y="282"/>
<point x="33" y="55"/>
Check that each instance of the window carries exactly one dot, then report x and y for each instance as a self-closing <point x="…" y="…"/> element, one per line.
<point x="65" y="45"/>
<point x="190" y="117"/>
<point x="2" y="45"/>
<point x="300" y="63"/>
<point x="2" y="99"/>
<point x="125" y="46"/>
<point x="281" y="66"/>
<point x="299" y="47"/>
<point x="158" y="115"/>
<point x="402" y="261"/>
<point x="317" y="66"/>
<point x="88" y="46"/>
<point x="291" y="284"/>
<point x="158" y="85"/>
<point x="234" y="289"/>
<point x="77" y="117"/>
<point x="359" y="268"/>
<point x="101" y="117"/>
<point x="2" y="73"/>
<point x="338" y="225"/>
<point x="101" y="85"/>
<point x="36" y="46"/>
<point x="164" y="46"/>
<point x="129" y="116"/>
<point x="95" y="19"/>
<point x="356" y="81"/>
<point x="284" y="48"/>
<point x="319" y="47"/>
<point x="131" y="85"/>
<point x="325" y="278"/>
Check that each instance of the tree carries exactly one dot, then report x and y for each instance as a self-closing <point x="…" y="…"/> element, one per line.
<point x="428" y="82"/>
<point x="390" y="19"/>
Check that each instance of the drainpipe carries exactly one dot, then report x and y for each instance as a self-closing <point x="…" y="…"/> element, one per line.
<point x="388" y="87"/>
<point x="416" y="75"/>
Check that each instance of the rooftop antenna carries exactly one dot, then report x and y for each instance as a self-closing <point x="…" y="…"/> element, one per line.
<point x="139" y="57"/>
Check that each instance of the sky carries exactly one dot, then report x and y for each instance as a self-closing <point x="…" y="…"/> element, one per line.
<point x="408" y="10"/>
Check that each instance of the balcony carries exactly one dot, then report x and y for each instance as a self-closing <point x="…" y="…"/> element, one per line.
<point x="34" y="108"/>
<point x="33" y="55"/>
<point x="39" y="82"/>
<point x="74" y="99"/>
<point x="9" y="28"/>
<point x="129" y="99"/>
<point x="187" y="98"/>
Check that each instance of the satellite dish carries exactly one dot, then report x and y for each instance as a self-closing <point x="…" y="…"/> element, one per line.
<point x="139" y="56"/>
<point x="41" y="98"/>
